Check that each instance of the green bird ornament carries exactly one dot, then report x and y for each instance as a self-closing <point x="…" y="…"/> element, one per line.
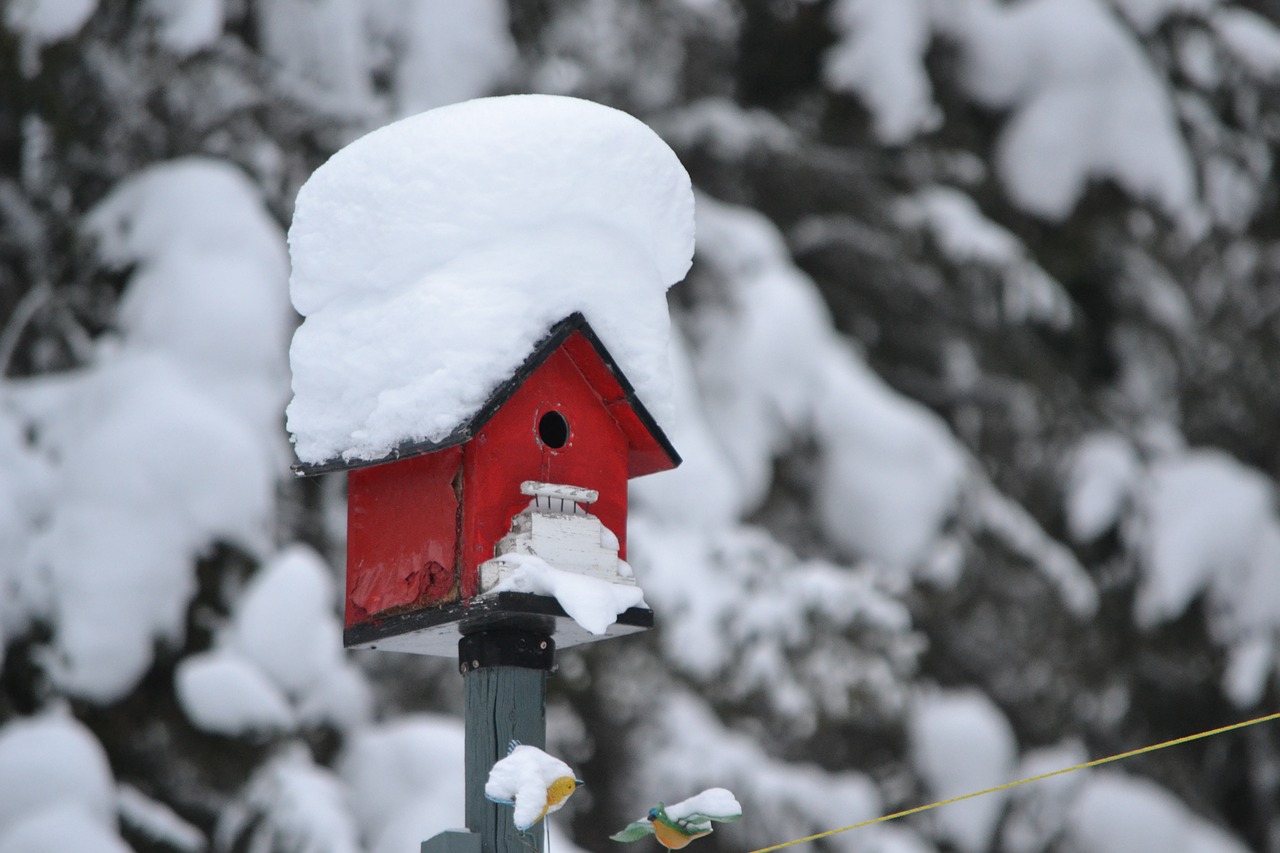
<point x="675" y="826"/>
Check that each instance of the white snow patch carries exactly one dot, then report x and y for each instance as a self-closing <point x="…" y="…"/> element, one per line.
<point x="891" y="838"/>
<point x="66" y="826"/>
<point x="725" y="128"/>
<point x="1118" y="813"/>
<point x="222" y="693"/>
<point x="691" y="750"/>
<point x="1197" y="55"/>
<point x="50" y="761"/>
<point x="1157" y="293"/>
<point x="443" y="52"/>
<point x="1038" y="811"/>
<point x="152" y="213"/>
<point x="210" y="287"/>
<point x="1246" y="604"/>
<point x="116" y="556"/>
<point x="1249" y="667"/>
<point x="1247" y="618"/>
<point x="743" y="610"/>
<point x="342" y="697"/>
<point x="891" y="470"/>
<point x="279" y="660"/>
<point x="1204" y="514"/>
<point x="286" y="621"/>
<point x="1232" y="192"/>
<point x="404" y="781"/>
<point x="522" y="778"/>
<point x="703" y="490"/>
<point x="475" y="227"/>
<point x="156" y="821"/>
<point x="962" y="231"/>
<point x="713" y="802"/>
<point x="1086" y="104"/>
<point x="186" y="26"/>
<point x="774" y="372"/>
<point x="1005" y="518"/>
<point x="290" y="804"/>
<point x="1251" y="38"/>
<point x="961" y="742"/>
<point x="321" y="49"/>
<point x="965" y="235"/>
<point x="194" y="380"/>
<point x="42" y="22"/>
<point x="880" y="57"/>
<point x="759" y="360"/>
<point x="420" y="819"/>
<point x="407" y="769"/>
<point x="1104" y="472"/>
<point x="592" y="602"/>
<point x="1207" y="525"/>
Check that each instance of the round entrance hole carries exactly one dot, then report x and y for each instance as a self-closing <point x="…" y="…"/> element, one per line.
<point x="553" y="429"/>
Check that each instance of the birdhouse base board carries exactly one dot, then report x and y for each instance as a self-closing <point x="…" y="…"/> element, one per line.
<point x="437" y="630"/>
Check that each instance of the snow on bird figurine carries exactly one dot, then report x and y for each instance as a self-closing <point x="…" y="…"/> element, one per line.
<point x="675" y="826"/>
<point x="536" y="783"/>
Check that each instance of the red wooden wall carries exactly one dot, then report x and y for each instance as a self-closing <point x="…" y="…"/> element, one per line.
<point x="402" y="534"/>
<point x="508" y="451"/>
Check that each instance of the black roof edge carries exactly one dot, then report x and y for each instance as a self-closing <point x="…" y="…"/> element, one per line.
<point x="556" y="335"/>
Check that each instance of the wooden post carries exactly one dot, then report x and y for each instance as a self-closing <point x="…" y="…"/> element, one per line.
<point x="504" y="673"/>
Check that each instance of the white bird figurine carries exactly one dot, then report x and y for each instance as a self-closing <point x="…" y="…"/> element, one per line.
<point x="532" y="781"/>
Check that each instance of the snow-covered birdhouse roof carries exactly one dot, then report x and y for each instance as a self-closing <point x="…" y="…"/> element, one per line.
<point x="436" y="258"/>
<point x="649" y="449"/>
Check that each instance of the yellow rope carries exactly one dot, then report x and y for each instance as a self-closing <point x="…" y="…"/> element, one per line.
<point x="1007" y="785"/>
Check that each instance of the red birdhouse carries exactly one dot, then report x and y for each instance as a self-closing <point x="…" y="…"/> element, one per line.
<point x="545" y="461"/>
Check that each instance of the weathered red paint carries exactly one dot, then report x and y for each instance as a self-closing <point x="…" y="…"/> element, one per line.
<point x="402" y="534"/>
<point x="419" y="527"/>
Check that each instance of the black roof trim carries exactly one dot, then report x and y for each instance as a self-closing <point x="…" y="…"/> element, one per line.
<point x="557" y="335"/>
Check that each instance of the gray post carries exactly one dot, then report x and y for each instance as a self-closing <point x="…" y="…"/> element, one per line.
<point x="504" y="674"/>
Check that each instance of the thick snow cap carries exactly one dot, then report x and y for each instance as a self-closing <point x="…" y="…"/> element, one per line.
<point x="430" y="256"/>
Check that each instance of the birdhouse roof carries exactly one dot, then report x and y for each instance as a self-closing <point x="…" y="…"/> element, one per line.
<point x="649" y="449"/>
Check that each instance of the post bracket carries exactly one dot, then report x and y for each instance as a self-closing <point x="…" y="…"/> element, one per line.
<point x="507" y="647"/>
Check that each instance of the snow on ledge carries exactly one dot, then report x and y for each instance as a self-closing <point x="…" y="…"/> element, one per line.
<point x="592" y="602"/>
<point x="431" y="255"/>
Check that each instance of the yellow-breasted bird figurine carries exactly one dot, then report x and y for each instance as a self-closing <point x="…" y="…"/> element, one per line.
<point x="675" y="826"/>
<point x="532" y="781"/>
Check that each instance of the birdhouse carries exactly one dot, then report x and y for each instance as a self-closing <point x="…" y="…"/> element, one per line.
<point x="541" y="468"/>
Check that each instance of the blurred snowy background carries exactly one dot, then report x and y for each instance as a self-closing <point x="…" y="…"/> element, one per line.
<point x="979" y="406"/>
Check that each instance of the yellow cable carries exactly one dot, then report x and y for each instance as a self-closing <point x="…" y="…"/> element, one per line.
<point x="1007" y="785"/>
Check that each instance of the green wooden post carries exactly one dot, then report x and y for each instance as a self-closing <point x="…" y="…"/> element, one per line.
<point x="504" y="673"/>
<point x="452" y="841"/>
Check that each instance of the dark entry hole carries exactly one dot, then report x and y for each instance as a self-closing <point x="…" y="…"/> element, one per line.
<point x="553" y="429"/>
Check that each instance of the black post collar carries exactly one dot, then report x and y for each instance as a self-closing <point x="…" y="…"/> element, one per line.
<point x="506" y="647"/>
